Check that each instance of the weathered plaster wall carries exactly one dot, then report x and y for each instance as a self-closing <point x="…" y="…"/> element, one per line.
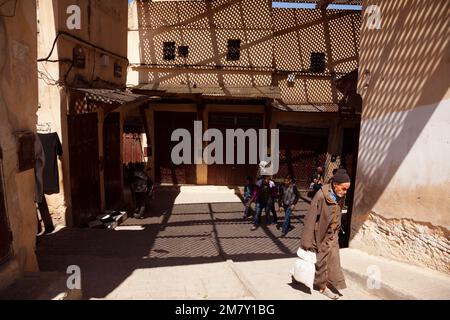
<point x="405" y="239"/>
<point x="18" y="106"/>
<point x="402" y="203"/>
<point x="103" y="23"/>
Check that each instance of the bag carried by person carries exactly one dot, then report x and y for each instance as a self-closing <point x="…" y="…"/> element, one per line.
<point x="304" y="268"/>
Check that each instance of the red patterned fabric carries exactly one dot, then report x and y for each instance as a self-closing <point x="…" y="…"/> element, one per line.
<point x="132" y="148"/>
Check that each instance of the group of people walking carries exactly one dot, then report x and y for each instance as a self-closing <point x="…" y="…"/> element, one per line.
<point x="265" y="193"/>
<point x="321" y="224"/>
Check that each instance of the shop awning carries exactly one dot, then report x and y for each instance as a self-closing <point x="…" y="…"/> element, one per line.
<point x="211" y="91"/>
<point x="84" y="100"/>
<point x="331" y="107"/>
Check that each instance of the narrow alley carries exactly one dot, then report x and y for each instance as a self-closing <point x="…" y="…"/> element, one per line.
<point x="142" y="143"/>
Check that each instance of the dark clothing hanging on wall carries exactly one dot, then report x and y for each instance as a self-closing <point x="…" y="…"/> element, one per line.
<point x="52" y="148"/>
<point x="39" y="169"/>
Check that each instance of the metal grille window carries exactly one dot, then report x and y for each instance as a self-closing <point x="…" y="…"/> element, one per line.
<point x="291" y="80"/>
<point x="234" y="50"/>
<point x="169" y="50"/>
<point x="183" y="51"/>
<point x="317" y="62"/>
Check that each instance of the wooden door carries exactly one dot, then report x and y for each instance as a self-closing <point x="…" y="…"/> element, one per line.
<point x="166" y="171"/>
<point x="112" y="156"/>
<point x="349" y="158"/>
<point x="233" y="174"/>
<point x="349" y="149"/>
<point x="84" y="167"/>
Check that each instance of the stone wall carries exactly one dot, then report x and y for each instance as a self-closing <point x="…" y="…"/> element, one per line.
<point x="407" y="240"/>
<point x="18" y="106"/>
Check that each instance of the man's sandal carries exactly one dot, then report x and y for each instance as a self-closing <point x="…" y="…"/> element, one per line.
<point x="328" y="293"/>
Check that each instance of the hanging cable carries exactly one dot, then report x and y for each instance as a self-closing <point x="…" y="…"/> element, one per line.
<point x="51" y="51"/>
<point x="84" y="42"/>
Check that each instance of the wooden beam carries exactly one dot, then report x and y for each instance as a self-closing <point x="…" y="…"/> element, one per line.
<point x="177" y="70"/>
<point x="144" y="121"/>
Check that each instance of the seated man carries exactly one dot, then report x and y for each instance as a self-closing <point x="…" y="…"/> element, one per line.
<point x="142" y="188"/>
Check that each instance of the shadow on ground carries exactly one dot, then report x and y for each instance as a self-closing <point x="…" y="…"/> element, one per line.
<point x="169" y="235"/>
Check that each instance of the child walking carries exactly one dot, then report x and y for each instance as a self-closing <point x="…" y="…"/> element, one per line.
<point x="248" y="196"/>
<point x="264" y="194"/>
<point x="287" y="200"/>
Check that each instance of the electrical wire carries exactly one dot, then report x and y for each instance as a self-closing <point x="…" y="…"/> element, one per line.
<point x="51" y="51"/>
<point x="47" y="79"/>
<point x="66" y="34"/>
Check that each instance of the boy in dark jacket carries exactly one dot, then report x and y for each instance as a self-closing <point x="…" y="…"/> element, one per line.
<point x="248" y="195"/>
<point x="276" y="194"/>
<point x="288" y="198"/>
<point x="264" y="194"/>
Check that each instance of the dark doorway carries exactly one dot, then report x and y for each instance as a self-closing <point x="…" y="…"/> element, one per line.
<point x="5" y="234"/>
<point x="233" y="174"/>
<point x="349" y="150"/>
<point x="349" y="157"/>
<point x="84" y="167"/>
<point x="113" y="164"/>
<point x="302" y="149"/>
<point x="166" y="171"/>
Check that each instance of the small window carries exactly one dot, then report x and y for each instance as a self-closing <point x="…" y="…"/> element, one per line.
<point x="79" y="58"/>
<point x="317" y="62"/>
<point x="234" y="50"/>
<point x="169" y="50"/>
<point x="117" y="69"/>
<point x="183" y="51"/>
<point x="291" y="79"/>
